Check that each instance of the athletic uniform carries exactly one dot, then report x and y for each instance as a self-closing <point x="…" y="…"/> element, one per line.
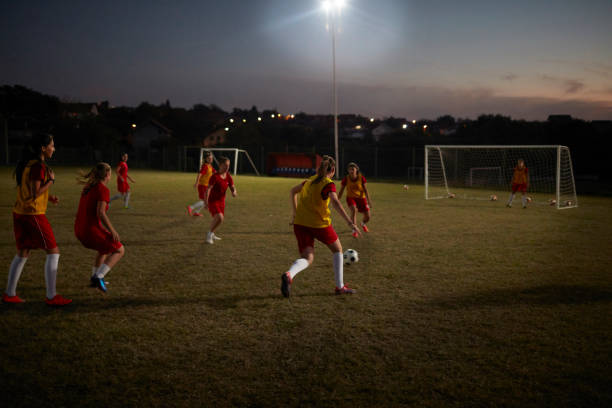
<point x="206" y="172"/>
<point x="312" y="216"/>
<point x="122" y="184"/>
<point x="88" y="227"/>
<point x="519" y="180"/>
<point x="30" y="224"/>
<point x="355" y="193"/>
<point x="216" y="197"/>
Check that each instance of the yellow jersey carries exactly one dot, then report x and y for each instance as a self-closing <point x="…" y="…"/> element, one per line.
<point x="26" y="204"/>
<point x="354" y="188"/>
<point x="312" y="208"/>
<point x="520" y="176"/>
<point x="206" y="172"/>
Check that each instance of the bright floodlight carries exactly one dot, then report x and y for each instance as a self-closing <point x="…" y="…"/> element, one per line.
<point x="231" y="120"/>
<point x="371" y="119"/>
<point x="404" y="126"/>
<point x="331" y="5"/>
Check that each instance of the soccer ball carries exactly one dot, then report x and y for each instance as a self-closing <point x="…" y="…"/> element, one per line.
<point x="406" y="186"/>
<point x="569" y="203"/>
<point x="451" y="195"/>
<point x="350" y="257"/>
<point x="493" y="197"/>
<point x="528" y="199"/>
<point x="552" y="201"/>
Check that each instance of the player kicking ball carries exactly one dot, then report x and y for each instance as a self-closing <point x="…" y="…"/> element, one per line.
<point x="201" y="183"/>
<point x="312" y="220"/>
<point x="215" y="197"/>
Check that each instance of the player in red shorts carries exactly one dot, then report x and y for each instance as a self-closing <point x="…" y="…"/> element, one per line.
<point x="122" y="182"/>
<point x="520" y="182"/>
<point x="31" y="227"/>
<point x="357" y="196"/>
<point x="215" y="197"/>
<point x="92" y="226"/>
<point x="312" y="220"/>
<point x="202" y="180"/>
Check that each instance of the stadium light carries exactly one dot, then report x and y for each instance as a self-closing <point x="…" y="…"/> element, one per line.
<point x="404" y="126"/>
<point x="227" y="129"/>
<point x="371" y="120"/>
<point x="259" y="118"/>
<point x="272" y="116"/>
<point x="133" y="125"/>
<point x="413" y="122"/>
<point x="231" y="120"/>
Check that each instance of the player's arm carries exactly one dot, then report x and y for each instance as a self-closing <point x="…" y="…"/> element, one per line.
<point x="233" y="190"/>
<point x="129" y="178"/>
<point x="293" y="195"/>
<point x="38" y="187"/>
<point x="367" y="194"/>
<point x="341" y="191"/>
<point x="198" y="177"/>
<point x="211" y="183"/>
<point x="118" y="171"/>
<point x="101" y="209"/>
<point x="338" y="207"/>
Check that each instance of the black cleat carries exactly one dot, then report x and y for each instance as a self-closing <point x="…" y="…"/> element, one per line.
<point x="286" y="285"/>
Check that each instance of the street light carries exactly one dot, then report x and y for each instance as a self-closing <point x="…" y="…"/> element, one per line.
<point x="332" y="8"/>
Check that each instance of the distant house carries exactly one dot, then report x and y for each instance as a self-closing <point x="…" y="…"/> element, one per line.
<point x="214" y="138"/>
<point x="148" y="133"/>
<point x="381" y="130"/>
<point x="78" y="110"/>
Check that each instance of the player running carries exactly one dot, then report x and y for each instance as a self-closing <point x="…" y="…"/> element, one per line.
<point x="201" y="183"/>
<point x="215" y="197"/>
<point x="30" y="225"/>
<point x="357" y="196"/>
<point x="520" y="182"/>
<point x="92" y="226"/>
<point x="312" y="219"/>
<point x="122" y="182"/>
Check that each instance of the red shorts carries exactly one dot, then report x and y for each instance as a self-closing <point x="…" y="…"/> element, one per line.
<point x="202" y="191"/>
<point x="360" y="203"/>
<point x="33" y="232"/>
<point x="98" y="240"/>
<point x="306" y="235"/>
<point x="519" y="187"/>
<point x="123" y="186"/>
<point x="216" y="207"/>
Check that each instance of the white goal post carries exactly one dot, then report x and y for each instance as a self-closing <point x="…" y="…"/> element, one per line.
<point x="481" y="172"/>
<point x="233" y="154"/>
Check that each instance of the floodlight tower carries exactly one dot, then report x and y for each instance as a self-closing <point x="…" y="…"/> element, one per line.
<point x="332" y="9"/>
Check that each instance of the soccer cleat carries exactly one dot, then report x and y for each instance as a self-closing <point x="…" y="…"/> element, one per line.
<point x="197" y="214"/>
<point x="216" y="237"/>
<point x="58" y="301"/>
<point x="209" y="239"/>
<point x="189" y="210"/>
<point x="355" y="234"/>
<point x="509" y="205"/>
<point x="11" y="299"/>
<point x="365" y="228"/>
<point x="99" y="283"/>
<point x="286" y="284"/>
<point x="345" y="290"/>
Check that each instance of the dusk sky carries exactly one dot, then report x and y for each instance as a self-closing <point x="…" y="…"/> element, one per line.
<point x="412" y="59"/>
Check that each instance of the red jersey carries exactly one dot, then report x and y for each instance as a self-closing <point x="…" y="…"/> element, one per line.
<point x="520" y="175"/>
<point x="87" y="214"/>
<point x="123" y="170"/>
<point x="219" y="186"/>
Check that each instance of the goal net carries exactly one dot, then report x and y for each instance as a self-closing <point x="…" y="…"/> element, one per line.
<point x="485" y="173"/>
<point x="239" y="159"/>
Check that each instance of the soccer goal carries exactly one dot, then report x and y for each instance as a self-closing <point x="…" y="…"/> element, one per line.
<point x="195" y="155"/>
<point x="484" y="172"/>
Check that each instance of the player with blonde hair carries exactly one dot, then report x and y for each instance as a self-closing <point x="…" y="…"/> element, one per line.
<point x="201" y="183"/>
<point x="357" y="195"/>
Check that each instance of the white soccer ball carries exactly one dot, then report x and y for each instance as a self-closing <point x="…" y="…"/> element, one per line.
<point x="493" y="197"/>
<point x="350" y="257"/>
<point x="529" y="199"/>
<point x="552" y="201"/>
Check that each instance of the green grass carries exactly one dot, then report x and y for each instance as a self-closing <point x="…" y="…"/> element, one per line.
<point x="459" y="303"/>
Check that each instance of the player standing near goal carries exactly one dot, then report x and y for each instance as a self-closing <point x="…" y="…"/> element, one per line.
<point x="312" y="219"/>
<point x="30" y="225"/>
<point x="122" y="182"/>
<point x="201" y="183"/>
<point x="357" y="196"/>
<point x="215" y="197"/>
<point x="92" y="226"/>
<point x="520" y="182"/>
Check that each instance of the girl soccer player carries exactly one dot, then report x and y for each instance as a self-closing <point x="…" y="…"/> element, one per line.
<point x="312" y="219"/>
<point x="31" y="227"/>
<point x="92" y="226"/>
<point x="357" y="196"/>
<point x="122" y="182"/>
<point x="520" y="182"/>
<point x="202" y="179"/>
<point x="215" y="197"/>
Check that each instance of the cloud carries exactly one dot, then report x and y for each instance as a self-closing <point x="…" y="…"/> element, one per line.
<point x="509" y="77"/>
<point x="569" y="86"/>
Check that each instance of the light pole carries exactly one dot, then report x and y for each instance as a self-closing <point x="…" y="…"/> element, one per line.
<point x="333" y="8"/>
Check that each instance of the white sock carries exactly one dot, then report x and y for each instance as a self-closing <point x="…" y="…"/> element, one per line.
<point x="51" y="274"/>
<point x="298" y="266"/>
<point x="197" y="206"/>
<point x="339" y="269"/>
<point x="511" y="198"/>
<point x="126" y="200"/>
<point x="209" y="237"/>
<point x="14" y="274"/>
<point x="102" y="271"/>
<point x="524" y="201"/>
<point x="116" y="196"/>
<point x="94" y="269"/>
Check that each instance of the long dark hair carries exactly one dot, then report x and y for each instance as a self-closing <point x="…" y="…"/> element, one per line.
<point x="327" y="164"/>
<point x="31" y="151"/>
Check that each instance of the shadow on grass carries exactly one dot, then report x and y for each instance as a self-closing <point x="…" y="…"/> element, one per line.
<point x="539" y="295"/>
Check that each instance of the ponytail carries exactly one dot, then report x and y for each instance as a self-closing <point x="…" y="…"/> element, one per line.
<point x="31" y="151"/>
<point x="326" y="166"/>
<point x="94" y="176"/>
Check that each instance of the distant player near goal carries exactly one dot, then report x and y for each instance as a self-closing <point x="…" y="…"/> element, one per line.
<point x="520" y="182"/>
<point x="215" y="197"/>
<point x="357" y="196"/>
<point x="201" y="184"/>
<point x="122" y="182"/>
<point x="312" y="220"/>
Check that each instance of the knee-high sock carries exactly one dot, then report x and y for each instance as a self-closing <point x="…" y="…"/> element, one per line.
<point x="116" y="196"/>
<point x="14" y="274"/>
<point x="524" y="200"/>
<point x="197" y="206"/>
<point x="126" y="199"/>
<point x="102" y="271"/>
<point x="338" y="269"/>
<point x="511" y="198"/>
<point x="51" y="274"/>
<point x="94" y="269"/>
<point x="298" y="266"/>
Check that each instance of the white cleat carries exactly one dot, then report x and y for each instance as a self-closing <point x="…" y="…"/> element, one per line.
<point x="216" y="237"/>
<point x="209" y="239"/>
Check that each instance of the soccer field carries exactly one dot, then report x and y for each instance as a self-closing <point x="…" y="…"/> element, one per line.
<point x="459" y="303"/>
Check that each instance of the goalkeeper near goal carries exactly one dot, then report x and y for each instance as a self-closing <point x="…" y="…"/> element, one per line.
<point x="520" y="182"/>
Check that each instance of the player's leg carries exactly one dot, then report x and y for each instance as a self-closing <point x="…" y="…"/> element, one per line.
<point x="19" y="261"/>
<point x="216" y="221"/>
<point x="524" y="199"/>
<point x="513" y="192"/>
<point x="366" y="218"/>
<point x="305" y="241"/>
<point x="126" y="199"/>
